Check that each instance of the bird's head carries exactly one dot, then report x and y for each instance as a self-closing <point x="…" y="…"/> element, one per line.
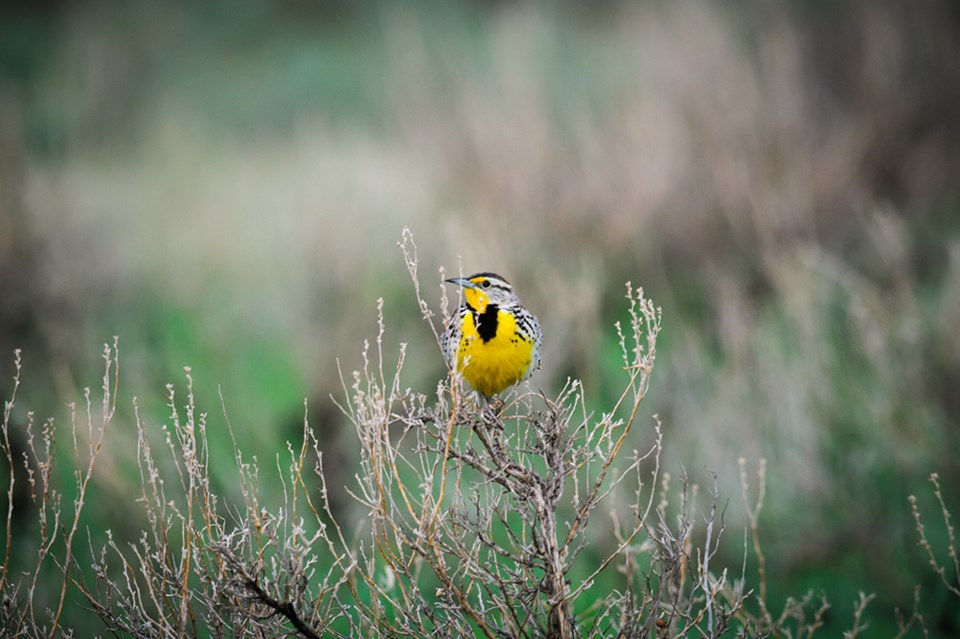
<point x="483" y="289"/>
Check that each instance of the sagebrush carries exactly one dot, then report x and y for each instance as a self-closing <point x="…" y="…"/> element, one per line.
<point x="539" y="520"/>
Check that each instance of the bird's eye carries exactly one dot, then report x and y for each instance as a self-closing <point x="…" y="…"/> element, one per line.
<point x="485" y="284"/>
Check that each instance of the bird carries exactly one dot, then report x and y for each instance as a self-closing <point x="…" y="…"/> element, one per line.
<point x="491" y="339"/>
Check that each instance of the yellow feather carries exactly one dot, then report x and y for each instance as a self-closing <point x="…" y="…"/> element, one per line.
<point x="493" y="366"/>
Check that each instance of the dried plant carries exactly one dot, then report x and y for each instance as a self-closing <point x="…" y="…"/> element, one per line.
<point x="31" y="606"/>
<point x="948" y="571"/>
<point x="479" y="522"/>
<point x="534" y="520"/>
<point x="200" y="567"/>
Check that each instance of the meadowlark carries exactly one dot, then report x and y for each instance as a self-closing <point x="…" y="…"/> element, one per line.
<point x="492" y="340"/>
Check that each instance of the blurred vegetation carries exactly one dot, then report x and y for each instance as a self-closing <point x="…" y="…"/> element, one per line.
<point x="223" y="185"/>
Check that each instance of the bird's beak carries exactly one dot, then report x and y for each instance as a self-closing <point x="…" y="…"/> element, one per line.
<point x="462" y="281"/>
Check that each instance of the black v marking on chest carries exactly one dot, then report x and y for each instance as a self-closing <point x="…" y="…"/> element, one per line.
<point x="487" y="322"/>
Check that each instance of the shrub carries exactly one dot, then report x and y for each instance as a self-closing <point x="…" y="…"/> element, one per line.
<point x="534" y="520"/>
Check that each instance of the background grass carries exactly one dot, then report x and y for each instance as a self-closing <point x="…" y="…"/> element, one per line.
<point x="223" y="186"/>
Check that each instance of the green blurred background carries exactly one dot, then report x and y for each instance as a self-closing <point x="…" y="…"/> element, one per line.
<point x="223" y="185"/>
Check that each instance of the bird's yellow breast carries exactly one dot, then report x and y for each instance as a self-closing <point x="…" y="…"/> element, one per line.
<point x="501" y="361"/>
